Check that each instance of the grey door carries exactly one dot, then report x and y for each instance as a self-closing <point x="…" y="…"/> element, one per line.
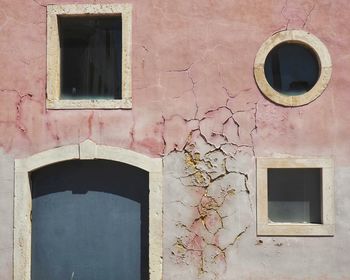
<point x="89" y="221"/>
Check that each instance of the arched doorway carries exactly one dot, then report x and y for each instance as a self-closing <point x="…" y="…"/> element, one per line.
<point x="88" y="211"/>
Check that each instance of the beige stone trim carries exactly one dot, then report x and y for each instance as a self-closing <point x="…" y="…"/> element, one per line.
<point x="302" y="37"/>
<point x="265" y="227"/>
<point x="53" y="55"/>
<point x="85" y="150"/>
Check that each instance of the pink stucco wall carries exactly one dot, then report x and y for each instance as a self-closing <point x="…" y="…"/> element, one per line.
<point x="189" y="57"/>
<point x="194" y="92"/>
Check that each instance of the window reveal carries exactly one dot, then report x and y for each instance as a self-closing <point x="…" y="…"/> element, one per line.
<point x="91" y="57"/>
<point x="294" y="195"/>
<point x="292" y="69"/>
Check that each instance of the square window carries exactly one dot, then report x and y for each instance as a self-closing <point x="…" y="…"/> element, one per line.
<point x="89" y="60"/>
<point x="295" y="196"/>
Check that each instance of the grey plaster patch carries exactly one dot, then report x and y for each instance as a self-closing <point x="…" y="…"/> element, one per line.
<point x="6" y="215"/>
<point x="207" y="208"/>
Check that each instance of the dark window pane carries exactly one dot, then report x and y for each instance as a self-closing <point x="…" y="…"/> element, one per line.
<point x="292" y="69"/>
<point x="294" y="195"/>
<point x="90" y="221"/>
<point x="91" y="57"/>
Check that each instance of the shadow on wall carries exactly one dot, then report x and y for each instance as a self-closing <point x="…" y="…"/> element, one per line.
<point x="90" y="221"/>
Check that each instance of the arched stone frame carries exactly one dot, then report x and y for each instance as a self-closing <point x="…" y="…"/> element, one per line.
<point x="87" y="150"/>
<point x="303" y="38"/>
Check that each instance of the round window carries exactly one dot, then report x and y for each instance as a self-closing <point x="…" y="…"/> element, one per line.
<point x="292" y="68"/>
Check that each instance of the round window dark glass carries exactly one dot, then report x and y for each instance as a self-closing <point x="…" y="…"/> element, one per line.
<point x="291" y="68"/>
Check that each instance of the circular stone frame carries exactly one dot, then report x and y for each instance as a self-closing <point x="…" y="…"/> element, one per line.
<point x="303" y="38"/>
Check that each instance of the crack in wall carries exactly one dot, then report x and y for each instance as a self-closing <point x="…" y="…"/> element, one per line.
<point x="211" y="173"/>
<point x="19" y="104"/>
<point x="296" y="15"/>
<point x="52" y="132"/>
<point x="284" y="15"/>
<point x="308" y="14"/>
<point x="21" y="98"/>
<point x="187" y="70"/>
<point x="203" y="171"/>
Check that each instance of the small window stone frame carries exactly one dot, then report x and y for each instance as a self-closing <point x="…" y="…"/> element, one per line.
<point x="268" y="228"/>
<point x="53" y="100"/>
<point x="303" y="38"/>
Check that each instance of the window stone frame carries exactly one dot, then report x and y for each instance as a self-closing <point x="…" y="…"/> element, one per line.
<point x="53" y="100"/>
<point x="267" y="228"/>
<point x="303" y="38"/>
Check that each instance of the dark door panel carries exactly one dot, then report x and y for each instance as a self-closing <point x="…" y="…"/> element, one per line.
<point x="90" y="221"/>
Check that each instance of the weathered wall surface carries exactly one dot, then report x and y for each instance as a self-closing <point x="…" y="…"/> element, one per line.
<point x="196" y="104"/>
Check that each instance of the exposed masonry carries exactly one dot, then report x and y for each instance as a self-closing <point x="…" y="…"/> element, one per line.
<point x="214" y="172"/>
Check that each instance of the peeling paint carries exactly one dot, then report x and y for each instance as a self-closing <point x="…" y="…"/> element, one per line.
<point x="206" y="171"/>
<point x="196" y="105"/>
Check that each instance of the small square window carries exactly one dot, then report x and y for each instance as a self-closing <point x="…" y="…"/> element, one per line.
<point x="295" y="196"/>
<point x="89" y="60"/>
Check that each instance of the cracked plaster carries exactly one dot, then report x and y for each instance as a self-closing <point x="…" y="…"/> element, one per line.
<point x="196" y="104"/>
